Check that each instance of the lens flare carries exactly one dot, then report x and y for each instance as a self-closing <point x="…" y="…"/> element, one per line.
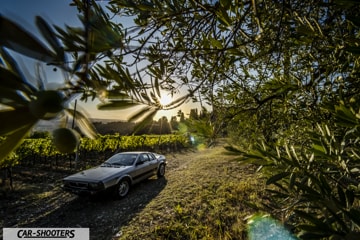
<point x="265" y="228"/>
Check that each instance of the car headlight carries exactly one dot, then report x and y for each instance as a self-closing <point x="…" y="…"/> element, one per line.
<point x="97" y="185"/>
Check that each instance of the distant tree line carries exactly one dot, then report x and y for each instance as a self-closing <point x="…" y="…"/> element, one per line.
<point x="160" y="126"/>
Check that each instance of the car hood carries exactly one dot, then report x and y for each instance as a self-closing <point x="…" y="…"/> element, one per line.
<point x="96" y="174"/>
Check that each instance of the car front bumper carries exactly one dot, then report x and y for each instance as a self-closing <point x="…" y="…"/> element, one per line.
<point x="83" y="188"/>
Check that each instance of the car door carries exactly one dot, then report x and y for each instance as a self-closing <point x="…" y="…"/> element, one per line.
<point x="153" y="162"/>
<point x="149" y="163"/>
<point x="141" y="167"/>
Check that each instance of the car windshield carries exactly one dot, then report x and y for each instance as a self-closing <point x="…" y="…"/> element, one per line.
<point x="122" y="159"/>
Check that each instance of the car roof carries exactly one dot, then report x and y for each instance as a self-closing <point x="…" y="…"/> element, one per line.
<point x="134" y="152"/>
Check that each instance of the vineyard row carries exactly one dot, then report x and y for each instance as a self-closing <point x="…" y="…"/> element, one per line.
<point x="37" y="150"/>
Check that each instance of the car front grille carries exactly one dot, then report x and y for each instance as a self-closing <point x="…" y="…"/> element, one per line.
<point x="78" y="185"/>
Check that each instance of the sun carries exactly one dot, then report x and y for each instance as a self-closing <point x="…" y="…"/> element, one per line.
<point x="165" y="99"/>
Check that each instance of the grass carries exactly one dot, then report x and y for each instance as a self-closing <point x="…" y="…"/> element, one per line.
<point x="209" y="197"/>
<point x="205" y="195"/>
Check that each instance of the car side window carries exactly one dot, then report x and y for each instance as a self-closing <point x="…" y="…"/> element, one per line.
<point x="151" y="157"/>
<point x="141" y="159"/>
<point x="145" y="157"/>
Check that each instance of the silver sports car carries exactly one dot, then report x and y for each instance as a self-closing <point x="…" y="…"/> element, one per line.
<point x="117" y="173"/>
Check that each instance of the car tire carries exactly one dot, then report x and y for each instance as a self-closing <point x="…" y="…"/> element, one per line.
<point x="161" y="171"/>
<point x="122" y="188"/>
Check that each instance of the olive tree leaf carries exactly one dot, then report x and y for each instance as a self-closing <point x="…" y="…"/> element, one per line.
<point x="117" y="105"/>
<point x="12" y="65"/>
<point x="140" y="113"/>
<point x="147" y="119"/>
<point x="13" y="140"/>
<point x="277" y="177"/>
<point x="13" y="120"/>
<point x="18" y="39"/>
<point x="156" y="87"/>
<point x="225" y="4"/>
<point x="312" y="219"/>
<point x="223" y="16"/>
<point x="231" y="150"/>
<point x="155" y="99"/>
<point x="12" y="98"/>
<point x="117" y="95"/>
<point x="354" y="214"/>
<point x="50" y="37"/>
<point x="342" y="196"/>
<point x="176" y="103"/>
<point x="9" y="79"/>
<point x="350" y="196"/>
<point x="82" y="122"/>
<point x="145" y="97"/>
<point x="345" y="117"/>
<point x="216" y="43"/>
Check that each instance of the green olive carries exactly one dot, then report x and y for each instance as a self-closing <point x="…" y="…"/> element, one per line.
<point x="47" y="104"/>
<point x="65" y="140"/>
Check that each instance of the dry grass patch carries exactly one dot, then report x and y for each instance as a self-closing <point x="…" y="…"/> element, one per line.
<point x="205" y="198"/>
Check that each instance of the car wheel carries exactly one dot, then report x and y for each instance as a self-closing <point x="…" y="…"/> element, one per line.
<point x="161" y="170"/>
<point x="122" y="188"/>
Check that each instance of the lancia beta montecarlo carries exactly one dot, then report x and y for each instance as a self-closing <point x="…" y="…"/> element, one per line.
<point x="116" y="174"/>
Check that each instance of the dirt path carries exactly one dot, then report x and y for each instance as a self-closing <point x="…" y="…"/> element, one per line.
<point x="40" y="202"/>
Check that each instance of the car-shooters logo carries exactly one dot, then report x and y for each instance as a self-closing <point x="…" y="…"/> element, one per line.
<point x="46" y="233"/>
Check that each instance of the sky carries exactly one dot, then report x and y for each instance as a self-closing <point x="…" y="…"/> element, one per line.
<point x="59" y="12"/>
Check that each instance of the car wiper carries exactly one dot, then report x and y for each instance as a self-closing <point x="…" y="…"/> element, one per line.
<point x="118" y="164"/>
<point x="106" y="164"/>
